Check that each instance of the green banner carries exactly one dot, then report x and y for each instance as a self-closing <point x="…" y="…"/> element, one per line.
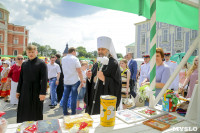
<point x="167" y="11"/>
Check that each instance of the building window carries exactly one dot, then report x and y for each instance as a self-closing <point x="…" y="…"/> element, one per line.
<point x="143" y="39"/>
<point x="178" y="51"/>
<point x="194" y="34"/>
<point x="16" y="41"/>
<point x="178" y="33"/>
<point x="1" y="15"/>
<point x="129" y="49"/>
<point x="15" y="52"/>
<point x="165" y="35"/>
<point x="1" y="38"/>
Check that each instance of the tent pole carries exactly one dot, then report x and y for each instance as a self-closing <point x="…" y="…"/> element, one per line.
<point x="198" y="119"/>
<point x="189" y="3"/>
<point x="152" y="51"/>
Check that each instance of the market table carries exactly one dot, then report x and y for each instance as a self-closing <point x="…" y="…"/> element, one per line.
<point x="120" y="126"/>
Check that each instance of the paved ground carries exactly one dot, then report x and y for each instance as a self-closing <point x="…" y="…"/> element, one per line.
<point x="11" y="111"/>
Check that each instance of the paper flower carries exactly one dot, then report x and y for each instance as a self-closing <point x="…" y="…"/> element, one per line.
<point x="144" y="92"/>
<point x="103" y="60"/>
<point x="99" y="59"/>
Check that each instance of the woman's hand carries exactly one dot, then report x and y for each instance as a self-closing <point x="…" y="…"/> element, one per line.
<point x="145" y="83"/>
<point x="127" y="91"/>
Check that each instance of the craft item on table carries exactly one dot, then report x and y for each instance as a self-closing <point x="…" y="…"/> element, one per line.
<point x="144" y="92"/>
<point x="148" y="112"/>
<point x="170" y="101"/>
<point x="70" y="121"/>
<point x="183" y="99"/>
<point x="80" y="128"/>
<point x="48" y="126"/>
<point x="3" y="123"/>
<point x="129" y="116"/>
<point x="169" y="119"/>
<point x="182" y="109"/>
<point x="27" y="127"/>
<point x="156" y="124"/>
<point x="128" y="102"/>
<point x="107" y="110"/>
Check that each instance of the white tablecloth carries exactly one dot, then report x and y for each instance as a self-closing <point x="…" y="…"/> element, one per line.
<point x="120" y="127"/>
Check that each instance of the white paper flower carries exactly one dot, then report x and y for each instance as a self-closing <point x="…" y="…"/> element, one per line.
<point x="111" y="113"/>
<point x="99" y="59"/>
<point x="105" y="60"/>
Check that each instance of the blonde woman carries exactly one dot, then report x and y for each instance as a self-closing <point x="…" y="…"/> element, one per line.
<point x="192" y="77"/>
<point x="13" y="77"/>
<point x="125" y="75"/>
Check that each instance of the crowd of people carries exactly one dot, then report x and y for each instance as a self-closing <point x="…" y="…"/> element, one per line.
<point x="72" y="81"/>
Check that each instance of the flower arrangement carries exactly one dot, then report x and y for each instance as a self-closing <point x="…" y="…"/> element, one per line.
<point x="144" y="92"/>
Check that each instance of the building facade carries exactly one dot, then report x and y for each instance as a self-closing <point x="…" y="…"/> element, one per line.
<point x="172" y="39"/>
<point x="131" y="49"/>
<point x="13" y="38"/>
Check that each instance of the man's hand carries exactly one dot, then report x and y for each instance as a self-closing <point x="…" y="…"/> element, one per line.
<point x="42" y="97"/>
<point x="57" y="82"/>
<point x="82" y="84"/>
<point x="17" y="95"/>
<point x="101" y="76"/>
<point x="89" y="74"/>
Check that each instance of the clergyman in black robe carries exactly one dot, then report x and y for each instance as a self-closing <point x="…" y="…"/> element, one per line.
<point x="31" y="89"/>
<point x="60" y="87"/>
<point x="110" y="86"/>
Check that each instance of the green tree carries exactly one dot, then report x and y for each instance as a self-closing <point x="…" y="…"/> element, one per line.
<point x="53" y="51"/>
<point x="24" y="53"/>
<point x="81" y="51"/>
<point x="95" y="54"/>
<point x="119" y="55"/>
<point x="45" y="50"/>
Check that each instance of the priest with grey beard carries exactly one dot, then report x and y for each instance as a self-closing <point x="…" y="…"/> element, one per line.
<point x="109" y="77"/>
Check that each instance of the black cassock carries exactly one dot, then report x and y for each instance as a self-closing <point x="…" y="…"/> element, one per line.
<point x="32" y="83"/>
<point x="60" y="87"/>
<point x="112" y="85"/>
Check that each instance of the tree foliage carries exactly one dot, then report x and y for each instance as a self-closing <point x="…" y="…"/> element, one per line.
<point x="119" y="55"/>
<point x="44" y="50"/>
<point x="84" y="54"/>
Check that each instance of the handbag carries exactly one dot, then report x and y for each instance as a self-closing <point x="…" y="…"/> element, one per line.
<point x="139" y="102"/>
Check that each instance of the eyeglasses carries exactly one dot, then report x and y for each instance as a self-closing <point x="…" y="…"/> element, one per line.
<point x="20" y="58"/>
<point x="3" y="63"/>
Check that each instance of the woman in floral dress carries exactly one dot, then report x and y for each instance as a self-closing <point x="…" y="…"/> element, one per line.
<point x="5" y="87"/>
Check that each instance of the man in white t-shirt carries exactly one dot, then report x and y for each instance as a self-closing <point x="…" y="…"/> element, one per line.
<point x="53" y="76"/>
<point x="72" y="79"/>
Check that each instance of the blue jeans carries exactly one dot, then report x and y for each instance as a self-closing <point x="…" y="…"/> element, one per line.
<point x="69" y="100"/>
<point x="53" y="87"/>
<point x="73" y="89"/>
<point x="81" y="94"/>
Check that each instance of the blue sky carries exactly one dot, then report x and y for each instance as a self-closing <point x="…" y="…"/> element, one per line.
<point x="56" y="22"/>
